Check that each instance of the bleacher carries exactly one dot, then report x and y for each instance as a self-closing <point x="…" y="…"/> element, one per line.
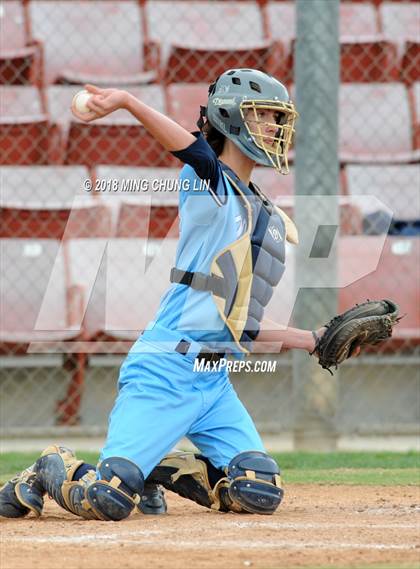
<point x="52" y="224"/>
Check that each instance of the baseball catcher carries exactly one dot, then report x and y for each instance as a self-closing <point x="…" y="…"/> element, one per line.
<point x="231" y="255"/>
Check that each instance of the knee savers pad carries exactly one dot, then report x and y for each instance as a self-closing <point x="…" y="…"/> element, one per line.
<point x="186" y="474"/>
<point x="114" y="495"/>
<point x="255" y="484"/>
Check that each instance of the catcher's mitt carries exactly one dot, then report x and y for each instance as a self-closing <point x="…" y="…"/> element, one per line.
<point x="364" y="324"/>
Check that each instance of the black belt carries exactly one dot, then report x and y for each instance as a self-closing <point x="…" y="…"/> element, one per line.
<point x="199" y="281"/>
<point x="204" y="354"/>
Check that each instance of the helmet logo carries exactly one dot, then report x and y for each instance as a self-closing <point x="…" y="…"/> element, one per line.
<point x="217" y="101"/>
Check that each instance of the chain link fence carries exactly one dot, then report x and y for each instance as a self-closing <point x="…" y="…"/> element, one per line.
<point x="87" y="237"/>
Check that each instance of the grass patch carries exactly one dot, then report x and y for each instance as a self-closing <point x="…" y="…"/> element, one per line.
<point x="364" y="468"/>
<point x="332" y="460"/>
<point x="355" y="476"/>
<point x="370" y="468"/>
<point x="13" y="462"/>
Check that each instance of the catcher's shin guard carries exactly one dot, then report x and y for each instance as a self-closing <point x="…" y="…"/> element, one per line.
<point x="253" y="484"/>
<point x="22" y="495"/>
<point x="56" y="466"/>
<point x="112" y="496"/>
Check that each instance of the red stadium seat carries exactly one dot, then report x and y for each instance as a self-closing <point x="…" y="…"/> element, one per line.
<point x="400" y="21"/>
<point x="395" y="277"/>
<point x="281" y="23"/>
<point x="20" y="66"/>
<point x="369" y="131"/>
<point x="19" y="59"/>
<point x="123" y="293"/>
<point x="40" y="311"/>
<point x="410" y="64"/>
<point x="365" y="55"/>
<point x="14" y="25"/>
<point x="144" y="201"/>
<point x="281" y="18"/>
<point x="33" y="309"/>
<point x="368" y="60"/>
<point x="48" y="202"/>
<point x="28" y="141"/>
<point x="26" y="134"/>
<point x="358" y="19"/>
<point x="196" y="41"/>
<point x="355" y="20"/>
<point x="196" y="64"/>
<point x="416" y="113"/>
<point x="116" y="139"/>
<point x="184" y="102"/>
<point x="395" y="186"/>
<point x="98" y="42"/>
<point x="401" y="25"/>
<point x="19" y="101"/>
<point x="109" y="143"/>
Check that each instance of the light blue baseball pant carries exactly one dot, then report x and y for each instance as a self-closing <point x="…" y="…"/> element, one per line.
<point x="162" y="399"/>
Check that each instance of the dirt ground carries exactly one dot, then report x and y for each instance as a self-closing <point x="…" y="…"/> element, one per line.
<point x="316" y="525"/>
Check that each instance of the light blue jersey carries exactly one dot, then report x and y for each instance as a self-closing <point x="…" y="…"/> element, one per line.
<point x="206" y="227"/>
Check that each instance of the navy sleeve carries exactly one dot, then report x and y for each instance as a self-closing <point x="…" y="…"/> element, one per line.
<point x="202" y="158"/>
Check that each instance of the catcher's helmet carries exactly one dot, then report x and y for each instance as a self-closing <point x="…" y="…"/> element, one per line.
<point x="236" y="105"/>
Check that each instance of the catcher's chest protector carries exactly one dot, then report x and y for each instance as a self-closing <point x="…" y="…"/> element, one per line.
<point x="251" y="266"/>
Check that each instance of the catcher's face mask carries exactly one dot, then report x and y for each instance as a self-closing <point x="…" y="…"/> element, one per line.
<point x="271" y="124"/>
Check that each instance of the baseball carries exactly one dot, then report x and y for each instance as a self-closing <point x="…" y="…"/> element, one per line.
<point x="79" y="101"/>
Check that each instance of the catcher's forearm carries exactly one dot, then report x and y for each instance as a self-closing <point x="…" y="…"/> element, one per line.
<point x="273" y="337"/>
<point x="170" y="134"/>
